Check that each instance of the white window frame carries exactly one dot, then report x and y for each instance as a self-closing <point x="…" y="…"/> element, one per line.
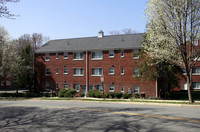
<point x="195" y="85"/>
<point x="65" y="85"/>
<point x="56" y="55"/>
<point x="76" y="87"/>
<point x="196" y="42"/>
<point x="56" y="70"/>
<point x="134" y="72"/>
<point x="79" y="71"/>
<point x="57" y="86"/>
<point x="47" y="86"/>
<point x="111" y="88"/>
<point x="97" y="71"/>
<point x="196" y="71"/>
<point x="136" y="54"/>
<point x="129" y="91"/>
<point x="183" y="71"/>
<point x="65" y="69"/>
<point x="111" y="54"/>
<point x="111" y="71"/>
<point x="184" y="86"/>
<point x="100" y="52"/>
<point x="79" y="56"/>
<point x="47" y="57"/>
<point x="136" y="88"/>
<point x="122" y="69"/>
<point x="47" y="72"/>
<point x="65" y="55"/>
<point x="122" y="53"/>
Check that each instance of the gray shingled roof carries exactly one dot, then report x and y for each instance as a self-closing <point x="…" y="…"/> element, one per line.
<point x="127" y="41"/>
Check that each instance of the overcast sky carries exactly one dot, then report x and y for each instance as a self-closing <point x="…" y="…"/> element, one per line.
<point x="60" y="19"/>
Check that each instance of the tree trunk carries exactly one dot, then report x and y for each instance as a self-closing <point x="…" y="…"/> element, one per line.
<point x="189" y="85"/>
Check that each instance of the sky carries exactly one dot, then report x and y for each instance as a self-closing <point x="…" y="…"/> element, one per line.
<point x="62" y="19"/>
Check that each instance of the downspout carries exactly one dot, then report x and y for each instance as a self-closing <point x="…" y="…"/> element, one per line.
<point x="86" y="90"/>
<point x="34" y="71"/>
<point x="156" y="87"/>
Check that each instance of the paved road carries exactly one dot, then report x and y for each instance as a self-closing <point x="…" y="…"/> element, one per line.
<point x="76" y="116"/>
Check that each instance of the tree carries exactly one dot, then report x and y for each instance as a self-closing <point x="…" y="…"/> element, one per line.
<point x="124" y="31"/>
<point x="164" y="72"/>
<point x="36" y="40"/>
<point x="23" y="72"/>
<point x="4" y="11"/>
<point x="172" y="29"/>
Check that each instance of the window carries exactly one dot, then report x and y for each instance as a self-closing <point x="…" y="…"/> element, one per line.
<point x="76" y="87"/>
<point x="47" y="86"/>
<point x="78" y="71"/>
<point x="135" y="72"/>
<point x="65" y="71"/>
<point x="78" y="56"/>
<point x="122" y="53"/>
<point x="65" y="85"/>
<point x="183" y="71"/>
<point x="56" y="85"/>
<point x="65" y="55"/>
<point x="136" y="89"/>
<point x="47" y="73"/>
<point x="111" y="88"/>
<point x="90" y="87"/>
<point x="136" y="54"/>
<point x="129" y="91"/>
<point x="99" y="87"/>
<point x="111" y="71"/>
<point x="96" y="55"/>
<point x="56" y="70"/>
<point x="96" y="71"/>
<point x="196" y="71"/>
<point x="196" y="42"/>
<point x="56" y="55"/>
<point x="122" y="89"/>
<point x="122" y="71"/>
<point x="184" y="86"/>
<point x="195" y="85"/>
<point x="47" y="57"/>
<point x="111" y="53"/>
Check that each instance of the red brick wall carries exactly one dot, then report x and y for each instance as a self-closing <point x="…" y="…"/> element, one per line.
<point x="118" y="80"/>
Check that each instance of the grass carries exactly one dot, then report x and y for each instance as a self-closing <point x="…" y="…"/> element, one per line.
<point x="55" y="98"/>
<point x="14" y="98"/>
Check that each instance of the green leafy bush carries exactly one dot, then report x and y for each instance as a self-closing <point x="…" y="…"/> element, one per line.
<point x="95" y="93"/>
<point x="82" y="94"/>
<point x="126" y="96"/>
<point x="61" y="92"/>
<point x="118" y="95"/>
<point x="69" y="93"/>
<point x="112" y="94"/>
<point x="135" y="96"/>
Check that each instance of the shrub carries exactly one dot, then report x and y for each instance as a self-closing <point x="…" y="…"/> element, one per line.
<point x="69" y="93"/>
<point x="61" y="92"/>
<point x="106" y="95"/>
<point x="82" y="94"/>
<point x="118" y="95"/>
<point x="135" y="96"/>
<point x="112" y="94"/>
<point x="126" y="96"/>
<point x="98" y="94"/>
<point x="95" y="93"/>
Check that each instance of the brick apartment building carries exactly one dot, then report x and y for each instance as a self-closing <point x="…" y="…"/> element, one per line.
<point x="79" y="63"/>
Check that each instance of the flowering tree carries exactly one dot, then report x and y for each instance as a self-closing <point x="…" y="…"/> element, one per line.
<point x="172" y="29"/>
<point x="4" y="11"/>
